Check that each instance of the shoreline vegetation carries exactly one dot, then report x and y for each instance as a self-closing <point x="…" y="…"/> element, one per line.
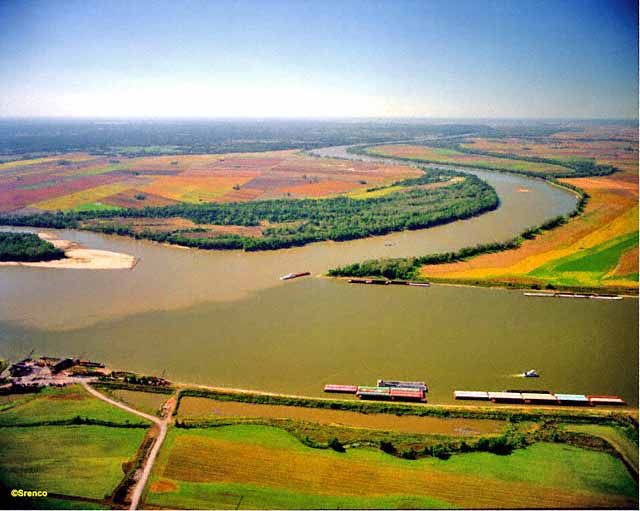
<point x="407" y="268"/>
<point x="74" y="256"/>
<point x="437" y="197"/>
<point x="27" y="247"/>
<point x="523" y="426"/>
<point x="412" y="268"/>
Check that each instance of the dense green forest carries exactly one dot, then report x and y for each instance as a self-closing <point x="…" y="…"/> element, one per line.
<point x="27" y="247"/>
<point x="295" y="222"/>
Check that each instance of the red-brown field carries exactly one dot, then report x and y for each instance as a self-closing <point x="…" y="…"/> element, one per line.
<point x="72" y="181"/>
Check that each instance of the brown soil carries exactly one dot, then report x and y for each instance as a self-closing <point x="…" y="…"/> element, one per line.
<point x="192" y="407"/>
<point x="164" y="486"/>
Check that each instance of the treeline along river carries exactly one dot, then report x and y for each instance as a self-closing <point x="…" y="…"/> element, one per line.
<point x="225" y="318"/>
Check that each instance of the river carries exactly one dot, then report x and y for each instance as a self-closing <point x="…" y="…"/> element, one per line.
<point x="225" y="318"/>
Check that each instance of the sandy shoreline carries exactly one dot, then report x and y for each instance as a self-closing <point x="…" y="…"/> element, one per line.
<point x="79" y="258"/>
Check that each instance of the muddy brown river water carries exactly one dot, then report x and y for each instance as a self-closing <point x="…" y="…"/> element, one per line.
<point x="225" y="318"/>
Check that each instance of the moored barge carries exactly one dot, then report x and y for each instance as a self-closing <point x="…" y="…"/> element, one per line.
<point x="341" y="389"/>
<point x="405" y="384"/>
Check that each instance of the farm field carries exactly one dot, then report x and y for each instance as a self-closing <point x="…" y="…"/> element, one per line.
<point x="148" y="402"/>
<point x="205" y="408"/>
<point x="628" y="447"/>
<point x="78" y="461"/>
<point x="258" y="466"/>
<point x="83" y="182"/>
<point x="598" y="249"/>
<point x="59" y="404"/>
<point x="453" y="157"/>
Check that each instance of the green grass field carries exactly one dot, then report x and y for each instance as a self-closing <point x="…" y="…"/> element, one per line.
<point x="625" y="445"/>
<point x="248" y="496"/>
<point x="259" y="466"/>
<point x="148" y="402"/>
<point x="54" y="503"/>
<point x="54" y="404"/>
<point x="590" y="265"/>
<point x="82" y="461"/>
<point x="96" y="206"/>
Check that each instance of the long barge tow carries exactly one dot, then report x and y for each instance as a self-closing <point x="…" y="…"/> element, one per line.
<point x="591" y="296"/>
<point x="538" y="397"/>
<point x="387" y="282"/>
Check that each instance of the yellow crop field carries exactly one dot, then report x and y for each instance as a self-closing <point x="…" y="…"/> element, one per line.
<point x="75" y="157"/>
<point x="194" y="189"/>
<point x="73" y="200"/>
<point x="597" y="249"/>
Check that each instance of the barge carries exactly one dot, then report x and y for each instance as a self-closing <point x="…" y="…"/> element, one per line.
<point x="606" y="400"/>
<point x="472" y="395"/>
<point x="538" y="397"/>
<point x="573" y="295"/>
<point x="341" y="389"/>
<point x="506" y="397"/>
<point x="406" y="394"/>
<point x="385" y="282"/>
<point x="420" y="385"/>
<point x="380" y="393"/>
<point x="573" y="399"/>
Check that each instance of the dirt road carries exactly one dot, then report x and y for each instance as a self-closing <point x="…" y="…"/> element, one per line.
<point x="153" y="454"/>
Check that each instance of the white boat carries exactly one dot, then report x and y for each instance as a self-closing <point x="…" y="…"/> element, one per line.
<point x="290" y="276"/>
<point x="531" y="373"/>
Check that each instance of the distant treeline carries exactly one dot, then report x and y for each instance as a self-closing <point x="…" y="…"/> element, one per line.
<point x="296" y="222"/>
<point x="26" y="247"/>
<point x="161" y="137"/>
<point x="407" y="268"/>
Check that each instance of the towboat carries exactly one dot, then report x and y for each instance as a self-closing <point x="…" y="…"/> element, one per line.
<point x="290" y="276"/>
<point x="531" y="373"/>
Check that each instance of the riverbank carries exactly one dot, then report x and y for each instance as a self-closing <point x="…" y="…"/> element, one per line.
<point x="78" y="257"/>
<point x="594" y="249"/>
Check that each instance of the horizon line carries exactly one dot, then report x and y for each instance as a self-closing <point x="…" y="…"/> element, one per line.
<point x="310" y="118"/>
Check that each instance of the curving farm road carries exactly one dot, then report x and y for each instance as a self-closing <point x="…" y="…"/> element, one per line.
<point x="153" y="454"/>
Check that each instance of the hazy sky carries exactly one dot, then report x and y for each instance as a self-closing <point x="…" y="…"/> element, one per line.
<point x="326" y="58"/>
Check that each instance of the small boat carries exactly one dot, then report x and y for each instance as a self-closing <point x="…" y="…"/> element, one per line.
<point x="419" y="284"/>
<point x="531" y="373"/>
<point x="290" y="276"/>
